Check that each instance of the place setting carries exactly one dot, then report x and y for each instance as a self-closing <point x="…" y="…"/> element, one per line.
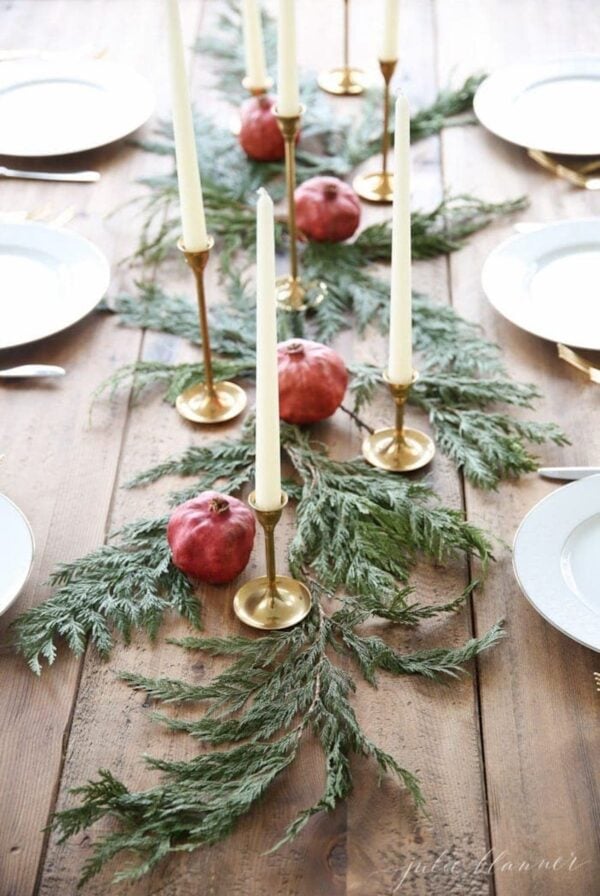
<point x="52" y="105"/>
<point x="519" y="103"/>
<point x="544" y="280"/>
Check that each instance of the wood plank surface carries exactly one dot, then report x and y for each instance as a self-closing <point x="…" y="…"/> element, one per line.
<point x="61" y="473"/>
<point x="535" y="692"/>
<point x="539" y="703"/>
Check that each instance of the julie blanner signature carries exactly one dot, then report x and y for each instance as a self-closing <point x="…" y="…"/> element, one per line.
<point x="446" y="864"/>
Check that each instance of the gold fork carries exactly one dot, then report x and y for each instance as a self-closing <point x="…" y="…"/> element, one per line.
<point x="575" y="360"/>
<point x="576" y="176"/>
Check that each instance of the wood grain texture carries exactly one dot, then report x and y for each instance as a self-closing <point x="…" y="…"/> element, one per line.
<point x="539" y="704"/>
<point x="56" y="468"/>
<point x="535" y="692"/>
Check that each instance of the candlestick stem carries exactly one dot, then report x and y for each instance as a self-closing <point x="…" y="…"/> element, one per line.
<point x="346" y="35"/>
<point x="387" y="70"/>
<point x="272" y="601"/>
<point x="197" y="262"/>
<point x="378" y="186"/>
<point x="269" y="530"/>
<point x="289" y="128"/>
<point x="399" y="450"/>
<point x="291" y="292"/>
<point x="207" y="402"/>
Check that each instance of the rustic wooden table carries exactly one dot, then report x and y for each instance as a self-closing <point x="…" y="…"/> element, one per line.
<point x="509" y="758"/>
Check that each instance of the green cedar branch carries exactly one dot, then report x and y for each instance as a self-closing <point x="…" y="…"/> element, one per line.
<point x="118" y="587"/>
<point x="255" y="713"/>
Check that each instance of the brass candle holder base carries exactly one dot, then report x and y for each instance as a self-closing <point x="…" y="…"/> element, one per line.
<point x="375" y="187"/>
<point x="293" y="294"/>
<point x="207" y="402"/>
<point x="342" y="81"/>
<point x="225" y="402"/>
<point x="271" y="602"/>
<point x="345" y="80"/>
<point x="399" y="449"/>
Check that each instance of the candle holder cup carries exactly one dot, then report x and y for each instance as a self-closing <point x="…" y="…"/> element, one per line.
<point x="344" y="80"/>
<point x="235" y="124"/>
<point x="257" y="91"/>
<point x="271" y="602"/>
<point x="291" y="291"/>
<point x="399" y="449"/>
<point x="378" y="186"/>
<point x="207" y="402"/>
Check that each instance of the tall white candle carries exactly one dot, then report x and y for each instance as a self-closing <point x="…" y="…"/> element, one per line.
<point x="389" y="40"/>
<point x="288" y="99"/>
<point x="268" y="464"/>
<point x="188" y="173"/>
<point x="400" y="357"/>
<point x="256" y="70"/>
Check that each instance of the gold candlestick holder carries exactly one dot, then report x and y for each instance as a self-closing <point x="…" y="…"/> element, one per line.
<point x="207" y="402"/>
<point x="256" y="91"/>
<point x="378" y="186"/>
<point x="235" y="124"/>
<point x="292" y="293"/>
<point x="271" y="602"/>
<point x="399" y="450"/>
<point x="345" y="80"/>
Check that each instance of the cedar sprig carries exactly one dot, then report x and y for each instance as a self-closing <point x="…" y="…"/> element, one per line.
<point x="130" y="582"/>
<point x="353" y="140"/>
<point x="278" y="689"/>
<point x="362" y="531"/>
<point x="126" y="584"/>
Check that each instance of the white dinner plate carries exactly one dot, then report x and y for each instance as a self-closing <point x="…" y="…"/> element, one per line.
<point x="547" y="281"/>
<point x="550" y="105"/>
<point x="557" y="561"/>
<point x="49" y="107"/>
<point x="50" y="279"/>
<point x="16" y="551"/>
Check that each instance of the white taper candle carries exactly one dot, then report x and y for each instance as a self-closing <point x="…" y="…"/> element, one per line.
<point x="188" y="173"/>
<point x="256" y="70"/>
<point x="389" y="40"/>
<point x="400" y="356"/>
<point x="268" y="463"/>
<point x="288" y="99"/>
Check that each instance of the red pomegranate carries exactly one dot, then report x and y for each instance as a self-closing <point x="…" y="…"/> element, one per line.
<point x="327" y="209"/>
<point x="211" y="537"/>
<point x="260" y="137"/>
<point x="312" y="381"/>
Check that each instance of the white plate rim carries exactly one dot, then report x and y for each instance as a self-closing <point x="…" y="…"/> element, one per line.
<point x="19" y="512"/>
<point x="94" y="295"/>
<point x="566" y="527"/>
<point x="139" y="85"/>
<point x="489" y="86"/>
<point x="493" y="295"/>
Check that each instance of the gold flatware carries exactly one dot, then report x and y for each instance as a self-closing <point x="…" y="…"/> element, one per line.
<point x="43" y="215"/>
<point x="567" y="354"/>
<point x="579" y="177"/>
